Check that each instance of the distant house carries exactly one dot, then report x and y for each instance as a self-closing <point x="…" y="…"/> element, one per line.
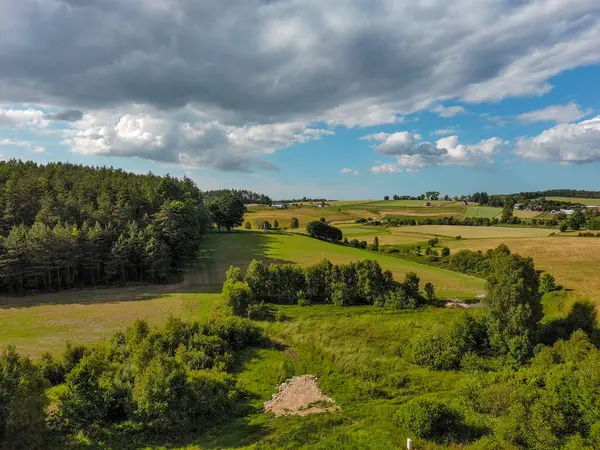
<point x="323" y="205"/>
<point x="568" y="212"/>
<point x="279" y="206"/>
<point x="465" y="203"/>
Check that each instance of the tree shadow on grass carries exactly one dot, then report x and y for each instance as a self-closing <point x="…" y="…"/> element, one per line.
<point x="220" y="250"/>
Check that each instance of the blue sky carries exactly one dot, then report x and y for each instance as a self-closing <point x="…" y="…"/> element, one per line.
<point x="298" y="98"/>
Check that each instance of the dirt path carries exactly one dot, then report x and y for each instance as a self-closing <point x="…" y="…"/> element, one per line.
<point x="300" y="396"/>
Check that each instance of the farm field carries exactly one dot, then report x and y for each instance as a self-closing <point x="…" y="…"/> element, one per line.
<point x="483" y="211"/>
<point x="572" y="260"/>
<point x="584" y="201"/>
<point x="46" y="322"/>
<point x="467" y="232"/>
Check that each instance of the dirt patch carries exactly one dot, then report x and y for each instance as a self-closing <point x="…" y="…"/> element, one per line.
<point x="300" y="396"/>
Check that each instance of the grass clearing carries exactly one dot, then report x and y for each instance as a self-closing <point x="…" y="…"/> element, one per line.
<point x="483" y="211"/>
<point x="46" y="322"/>
<point x="356" y="353"/>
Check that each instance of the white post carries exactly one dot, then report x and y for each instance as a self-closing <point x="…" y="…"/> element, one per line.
<point x="409" y="444"/>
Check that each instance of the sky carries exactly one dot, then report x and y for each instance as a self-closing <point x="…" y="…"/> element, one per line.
<point x="348" y="99"/>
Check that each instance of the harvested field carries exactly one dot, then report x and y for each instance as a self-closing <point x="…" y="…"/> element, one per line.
<point x="300" y="396"/>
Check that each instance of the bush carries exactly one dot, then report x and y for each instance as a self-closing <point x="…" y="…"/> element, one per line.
<point x="433" y="242"/>
<point x="294" y="223"/>
<point x="430" y="292"/>
<point x="547" y="283"/>
<point x="458" y="238"/>
<point x="275" y="224"/>
<point x="322" y="230"/>
<point x="443" y="347"/>
<point x="236" y="293"/>
<point x="248" y="225"/>
<point x="427" y="419"/>
<point x="22" y="402"/>
<point x="445" y="252"/>
<point x="563" y="227"/>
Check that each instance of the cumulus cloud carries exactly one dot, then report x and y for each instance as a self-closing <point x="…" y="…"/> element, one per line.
<point x="414" y="154"/>
<point x="555" y="113"/>
<point x="347" y="170"/>
<point x="20" y="117"/>
<point x="22" y="144"/>
<point x="448" y="111"/>
<point x="386" y="168"/>
<point x="276" y="64"/>
<point x="184" y="138"/>
<point x="577" y="143"/>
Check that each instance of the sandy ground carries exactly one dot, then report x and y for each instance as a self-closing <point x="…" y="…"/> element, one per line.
<point x="300" y="396"/>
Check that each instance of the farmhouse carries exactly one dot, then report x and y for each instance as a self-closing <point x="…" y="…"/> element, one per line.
<point x="568" y="212"/>
<point x="279" y="206"/>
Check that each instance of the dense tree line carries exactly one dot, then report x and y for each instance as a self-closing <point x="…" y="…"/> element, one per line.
<point x="155" y="381"/>
<point x="67" y="226"/>
<point x="361" y="282"/>
<point x="246" y="197"/>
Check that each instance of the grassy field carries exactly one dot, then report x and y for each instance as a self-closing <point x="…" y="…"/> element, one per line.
<point x="585" y="201"/>
<point x="477" y="232"/>
<point x="483" y="211"/>
<point x="572" y="260"/>
<point x="46" y="322"/>
<point x="355" y="354"/>
<point x="304" y="215"/>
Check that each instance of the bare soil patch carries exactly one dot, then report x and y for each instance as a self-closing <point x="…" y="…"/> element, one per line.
<point x="300" y="396"/>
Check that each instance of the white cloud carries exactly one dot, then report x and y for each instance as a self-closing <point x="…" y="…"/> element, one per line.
<point x="386" y="168"/>
<point x="555" y="113"/>
<point x="22" y="144"/>
<point x="415" y="155"/>
<point x="343" y="62"/>
<point x="577" y="143"/>
<point x="445" y="131"/>
<point x="347" y="170"/>
<point x="448" y="111"/>
<point x="182" y="136"/>
<point x="10" y="118"/>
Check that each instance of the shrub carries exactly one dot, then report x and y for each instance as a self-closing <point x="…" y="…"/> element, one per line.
<point x="563" y="227"/>
<point x="22" y="402"/>
<point x="433" y="242"/>
<point x="294" y="223"/>
<point x="398" y="299"/>
<point x="458" y="238"/>
<point x="443" y="347"/>
<point x="237" y="293"/>
<point x="303" y="300"/>
<point x="275" y="224"/>
<point x="322" y="230"/>
<point x="411" y="284"/>
<point x="445" y="252"/>
<point x="547" y="283"/>
<point x="248" y="225"/>
<point x="427" y="419"/>
<point x="430" y="292"/>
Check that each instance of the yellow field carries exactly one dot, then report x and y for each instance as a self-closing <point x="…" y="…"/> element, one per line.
<point x="304" y="214"/>
<point x="574" y="261"/>
<point x="478" y="232"/>
<point x="585" y="201"/>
